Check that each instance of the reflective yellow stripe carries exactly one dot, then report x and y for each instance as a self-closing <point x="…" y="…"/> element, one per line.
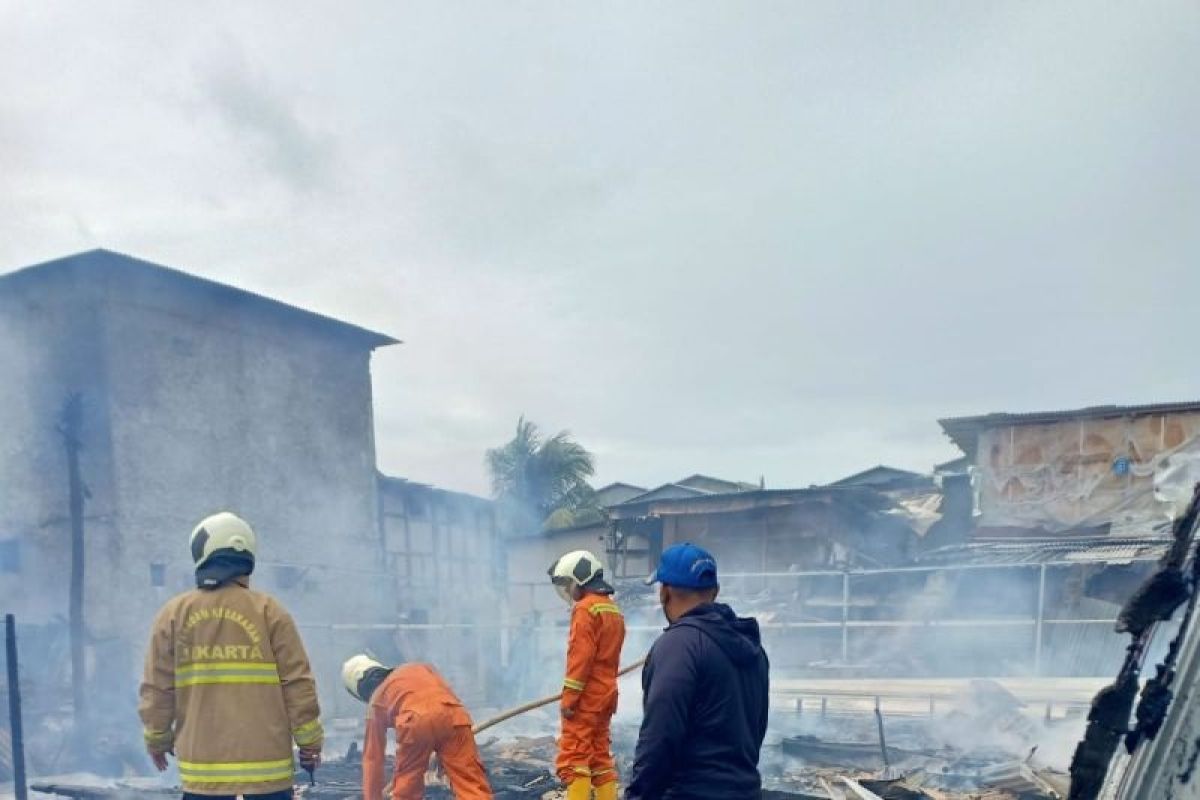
<point x="202" y="680"/>
<point x="226" y="672"/>
<point x="604" y="608"/>
<point x="573" y="684"/>
<point x="234" y="766"/>
<point x="236" y="771"/>
<point x="582" y="770"/>
<point x="308" y="733"/>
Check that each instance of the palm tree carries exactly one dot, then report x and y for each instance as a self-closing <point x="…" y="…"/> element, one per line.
<point x="535" y="478"/>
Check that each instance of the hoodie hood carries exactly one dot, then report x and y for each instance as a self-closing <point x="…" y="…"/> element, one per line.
<point x="738" y="637"/>
<point x="222" y="567"/>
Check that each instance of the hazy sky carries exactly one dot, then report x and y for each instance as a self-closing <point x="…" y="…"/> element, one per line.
<point x="742" y="238"/>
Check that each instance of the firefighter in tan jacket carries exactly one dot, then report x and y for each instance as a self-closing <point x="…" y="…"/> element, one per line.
<point x="228" y="686"/>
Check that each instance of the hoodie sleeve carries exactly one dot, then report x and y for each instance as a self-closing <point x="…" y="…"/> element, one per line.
<point x="764" y="698"/>
<point x="669" y="687"/>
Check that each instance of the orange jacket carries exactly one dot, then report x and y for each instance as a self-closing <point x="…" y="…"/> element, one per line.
<point x="411" y="690"/>
<point x="593" y="655"/>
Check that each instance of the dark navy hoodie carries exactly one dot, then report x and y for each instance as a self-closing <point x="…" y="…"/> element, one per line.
<point x="704" y="694"/>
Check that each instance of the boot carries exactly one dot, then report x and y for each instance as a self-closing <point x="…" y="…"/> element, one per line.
<point x="607" y="791"/>
<point x="580" y="789"/>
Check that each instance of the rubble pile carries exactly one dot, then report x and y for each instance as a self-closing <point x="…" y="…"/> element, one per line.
<point x="517" y="772"/>
<point x="986" y="748"/>
<point x="989" y="747"/>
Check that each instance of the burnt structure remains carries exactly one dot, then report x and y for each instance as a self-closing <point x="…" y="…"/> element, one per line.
<point x="138" y="399"/>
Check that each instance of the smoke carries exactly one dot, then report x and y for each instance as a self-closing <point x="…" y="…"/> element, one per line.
<point x="191" y="408"/>
<point x="191" y="404"/>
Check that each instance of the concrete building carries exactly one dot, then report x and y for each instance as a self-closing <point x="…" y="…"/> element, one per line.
<point x="196" y="397"/>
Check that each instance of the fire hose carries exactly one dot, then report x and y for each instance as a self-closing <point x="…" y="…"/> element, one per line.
<point x="545" y="701"/>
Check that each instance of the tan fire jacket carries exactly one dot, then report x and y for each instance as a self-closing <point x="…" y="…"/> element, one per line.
<point x="228" y="687"/>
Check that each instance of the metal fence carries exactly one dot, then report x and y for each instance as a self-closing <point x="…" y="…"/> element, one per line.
<point x="959" y="621"/>
<point x="965" y="620"/>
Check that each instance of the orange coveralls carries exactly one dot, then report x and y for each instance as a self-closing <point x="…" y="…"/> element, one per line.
<point x="590" y="690"/>
<point x="428" y="719"/>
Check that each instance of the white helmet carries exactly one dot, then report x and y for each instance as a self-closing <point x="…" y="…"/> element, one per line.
<point x="355" y="669"/>
<point x="222" y="531"/>
<point x="577" y="568"/>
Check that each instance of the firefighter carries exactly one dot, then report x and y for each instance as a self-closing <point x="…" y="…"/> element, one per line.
<point x="227" y="686"/>
<point x="589" y="698"/>
<point x="428" y="718"/>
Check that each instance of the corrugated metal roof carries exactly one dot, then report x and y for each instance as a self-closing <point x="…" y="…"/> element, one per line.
<point x="1074" y="549"/>
<point x="668" y="491"/>
<point x="858" y="497"/>
<point x="963" y="431"/>
<point x="707" y="483"/>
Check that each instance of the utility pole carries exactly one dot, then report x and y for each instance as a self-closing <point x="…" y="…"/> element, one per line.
<point x="16" y="731"/>
<point x="70" y="427"/>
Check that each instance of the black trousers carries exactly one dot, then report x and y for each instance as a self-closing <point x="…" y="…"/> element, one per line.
<point x="283" y="794"/>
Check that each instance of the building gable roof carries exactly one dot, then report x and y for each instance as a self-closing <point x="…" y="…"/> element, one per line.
<point x="711" y="485"/>
<point x="615" y="493"/>
<point x="668" y="491"/>
<point x="709" y="503"/>
<point x="883" y="475"/>
<point x="103" y="265"/>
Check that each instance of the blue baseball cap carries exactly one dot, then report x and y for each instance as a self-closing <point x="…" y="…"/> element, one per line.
<point x="686" y="566"/>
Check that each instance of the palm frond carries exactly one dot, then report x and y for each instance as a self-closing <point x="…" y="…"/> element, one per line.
<point x="540" y="475"/>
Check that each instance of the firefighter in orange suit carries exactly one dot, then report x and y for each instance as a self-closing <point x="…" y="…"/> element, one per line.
<point x="428" y="719"/>
<point x="589" y="699"/>
<point x="228" y="687"/>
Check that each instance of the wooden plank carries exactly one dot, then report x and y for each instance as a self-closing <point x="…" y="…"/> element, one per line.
<point x="859" y="790"/>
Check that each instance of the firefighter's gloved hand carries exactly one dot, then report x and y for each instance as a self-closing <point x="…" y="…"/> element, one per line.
<point x="568" y="713"/>
<point x="310" y="758"/>
<point x="159" y="758"/>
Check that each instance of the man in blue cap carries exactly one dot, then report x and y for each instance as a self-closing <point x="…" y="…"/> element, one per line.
<point x="704" y="691"/>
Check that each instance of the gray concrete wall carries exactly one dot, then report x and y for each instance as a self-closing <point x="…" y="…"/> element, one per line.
<point x="217" y="408"/>
<point x="50" y="346"/>
<point x="195" y="401"/>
